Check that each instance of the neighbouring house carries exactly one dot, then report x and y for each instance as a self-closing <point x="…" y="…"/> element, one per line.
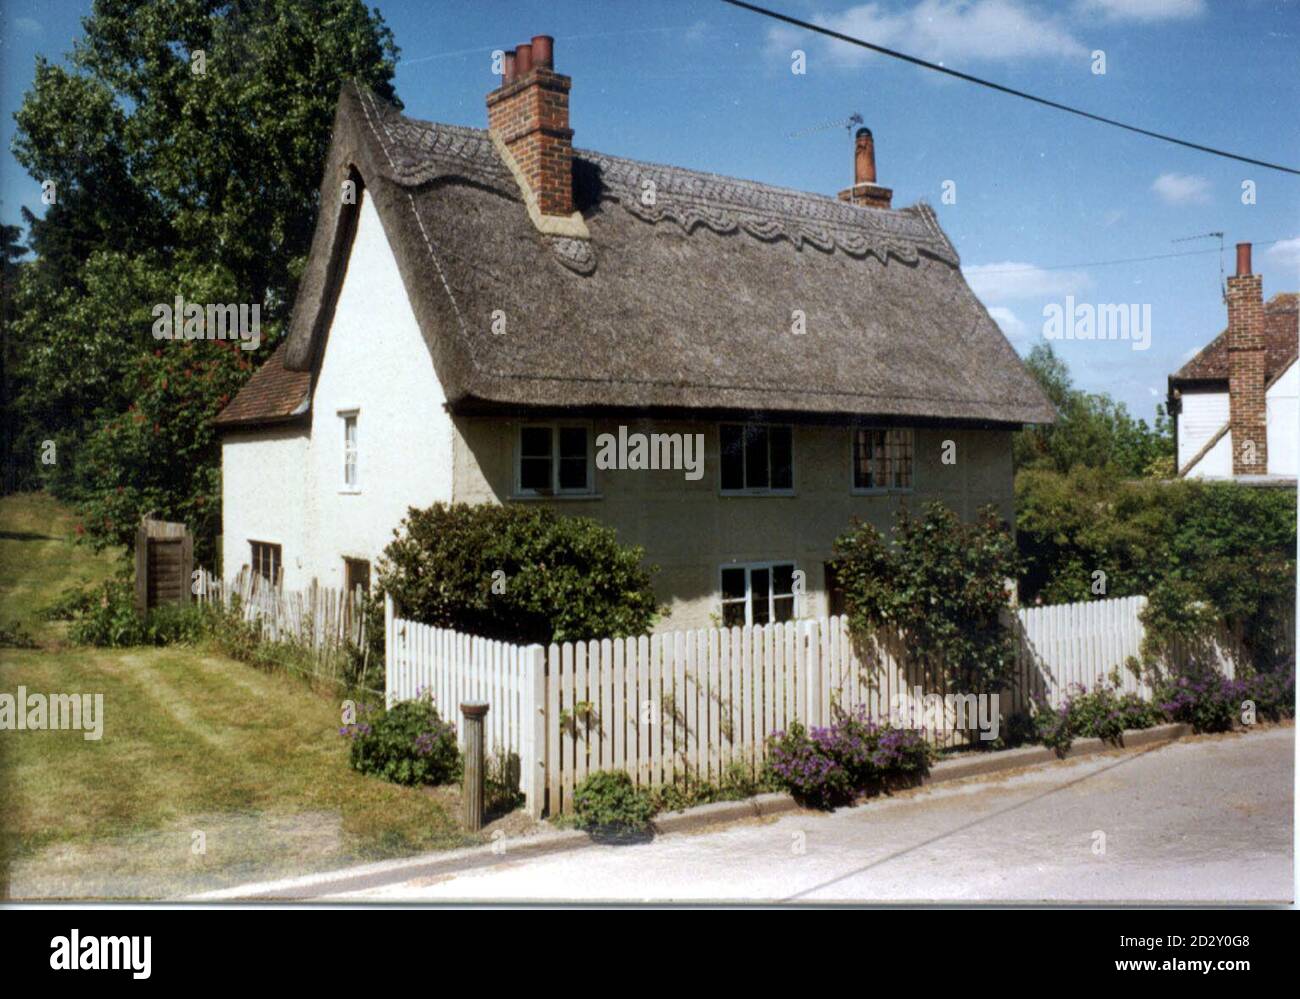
<point x="1234" y="404"/>
<point x="481" y="307"/>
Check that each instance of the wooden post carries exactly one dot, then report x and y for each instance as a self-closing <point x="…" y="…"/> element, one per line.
<point x="473" y="713"/>
<point x="532" y="758"/>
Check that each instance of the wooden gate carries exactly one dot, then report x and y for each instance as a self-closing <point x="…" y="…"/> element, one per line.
<point x="164" y="559"/>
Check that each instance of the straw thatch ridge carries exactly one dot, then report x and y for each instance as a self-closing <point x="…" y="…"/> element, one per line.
<point x="683" y="298"/>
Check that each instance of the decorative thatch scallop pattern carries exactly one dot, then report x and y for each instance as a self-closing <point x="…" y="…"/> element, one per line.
<point x="690" y="198"/>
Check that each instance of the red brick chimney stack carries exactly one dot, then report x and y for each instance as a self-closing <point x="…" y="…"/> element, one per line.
<point x="1247" y="403"/>
<point x="529" y="113"/>
<point x="865" y="191"/>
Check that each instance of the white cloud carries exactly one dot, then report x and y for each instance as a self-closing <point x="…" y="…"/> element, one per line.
<point x="28" y="26"/>
<point x="1182" y="189"/>
<point x="1144" y="10"/>
<point x="1009" y="280"/>
<point x="958" y="31"/>
<point x="1017" y="332"/>
<point x="1285" y="254"/>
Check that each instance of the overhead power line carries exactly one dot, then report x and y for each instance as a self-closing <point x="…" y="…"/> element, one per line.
<point x="1108" y="263"/>
<point x="926" y="64"/>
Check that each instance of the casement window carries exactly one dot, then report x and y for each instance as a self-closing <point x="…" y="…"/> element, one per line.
<point x="553" y="459"/>
<point x="761" y="593"/>
<point x="756" y="458"/>
<point x="350" y="478"/>
<point x="265" y="559"/>
<point x="882" y="459"/>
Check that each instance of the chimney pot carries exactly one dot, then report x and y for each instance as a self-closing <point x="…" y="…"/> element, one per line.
<point x="523" y="59"/>
<point x="543" y="48"/>
<point x="864" y="158"/>
<point x="530" y="118"/>
<point x="1243" y="259"/>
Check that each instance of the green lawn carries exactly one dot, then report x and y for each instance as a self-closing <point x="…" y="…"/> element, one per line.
<point x="197" y="751"/>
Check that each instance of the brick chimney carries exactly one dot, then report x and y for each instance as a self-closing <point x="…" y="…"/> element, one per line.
<point x="865" y="191"/>
<point x="1247" y="405"/>
<point x="528" y="119"/>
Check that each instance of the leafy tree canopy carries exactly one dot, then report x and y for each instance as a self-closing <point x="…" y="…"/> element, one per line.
<point x="185" y="141"/>
<point x="1092" y="429"/>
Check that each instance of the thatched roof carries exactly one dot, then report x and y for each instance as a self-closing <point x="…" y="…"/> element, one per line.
<point x="683" y="304"/>
<point x="1281" y="338"/>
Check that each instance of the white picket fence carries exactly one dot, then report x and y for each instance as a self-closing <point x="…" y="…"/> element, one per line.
<point x="695" y="703"/>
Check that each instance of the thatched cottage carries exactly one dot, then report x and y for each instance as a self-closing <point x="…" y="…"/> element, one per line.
<point x="480" y="308"/>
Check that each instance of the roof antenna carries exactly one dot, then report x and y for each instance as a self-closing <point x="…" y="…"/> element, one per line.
<point x="1223" y="287"/>
<point x="854" y="119"/>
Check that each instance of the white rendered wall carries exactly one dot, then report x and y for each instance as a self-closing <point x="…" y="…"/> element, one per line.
<point x="263" y="498"/>
<point x="1202" y="416"/>
<point x="377" y="364"/>
<point x="1284" y="423"/>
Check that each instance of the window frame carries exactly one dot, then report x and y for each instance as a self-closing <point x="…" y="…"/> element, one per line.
<point x="275" y="550"/>
<point x="556" y="427"/>
<point x="857" y="490"/>
<point x="767" y="490"/>
<point x="797" y="602"/>
<point x="353" y="415"/>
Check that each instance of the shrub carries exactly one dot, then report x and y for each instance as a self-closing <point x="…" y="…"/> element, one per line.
<point x="1052" y="726"/>
<point x="407" y="744"/>
<point x="735" y="784"/>
<point x="799" y="764"/>
<point x="516" y="573"/>
<point x="1105" y="713"/>
<point x="828" y="766"/>
<point x="1273" y="694"/>
<point x="942" y="584"/>
<point x="111" y="621"/>
<point x="1208" y="555"/>
<point x="607" y="803"/>
<point x="1199" y="695"/>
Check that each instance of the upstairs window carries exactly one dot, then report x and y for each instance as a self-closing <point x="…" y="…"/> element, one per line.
<point x="762" y="593"/>
<point x="350" y="480"/>
<point x="882" y="459"/>
<point x="553" y="459"/>
<point x="756" y="458"/>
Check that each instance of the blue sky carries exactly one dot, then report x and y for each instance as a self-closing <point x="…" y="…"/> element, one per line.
<point x="1042" y="198"/>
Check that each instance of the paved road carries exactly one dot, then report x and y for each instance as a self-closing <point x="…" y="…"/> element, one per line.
<point x="1207" y="819"/>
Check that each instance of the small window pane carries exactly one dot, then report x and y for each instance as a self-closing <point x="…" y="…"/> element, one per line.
<point x="733" y="461"/>
<point x="783" y="579"/>
<point x="733" y="584"/>
<point x="756" y="476"/>
<point x="535" y="442"/>
<point x="760" y="581"/>
<point x="573" y="442"/>
<point x="535" y="473"/>
<point x="733" y="614"/>
<point x="783" y="609"/>
<point x="573" y="458"/>
<point x="782" y="458"/>
<point x="573" y="473"/>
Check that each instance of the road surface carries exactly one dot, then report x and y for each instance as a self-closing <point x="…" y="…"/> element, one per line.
<point x="1206" y="819"/>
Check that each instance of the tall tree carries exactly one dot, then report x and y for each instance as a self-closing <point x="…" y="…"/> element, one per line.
<point x="1092" y="430"/>
<point x="184" y="140"/>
